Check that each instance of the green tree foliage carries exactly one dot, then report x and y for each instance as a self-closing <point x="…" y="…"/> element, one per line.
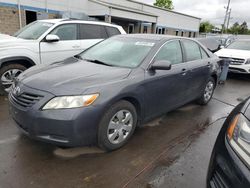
<point x="206" y="27"/>
<point x="239" y="28"/>
<point x="168" y="4"/>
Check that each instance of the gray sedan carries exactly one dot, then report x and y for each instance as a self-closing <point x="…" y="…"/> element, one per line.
<point x="100" y="96"/>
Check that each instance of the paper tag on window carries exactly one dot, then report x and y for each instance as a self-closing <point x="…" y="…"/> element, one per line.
<point x="145" y="44"/>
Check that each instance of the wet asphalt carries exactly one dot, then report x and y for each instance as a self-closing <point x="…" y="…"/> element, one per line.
<point x="171" y="151"/>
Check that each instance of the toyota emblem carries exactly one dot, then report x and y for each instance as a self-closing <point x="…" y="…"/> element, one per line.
<point x="16" y="91"/>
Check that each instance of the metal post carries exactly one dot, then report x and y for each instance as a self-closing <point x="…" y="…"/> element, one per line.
<point x="19" y="14"/>
<point x="229" y="17"/>
<point x="225" y="19"/>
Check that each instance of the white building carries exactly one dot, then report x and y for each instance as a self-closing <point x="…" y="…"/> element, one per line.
<point x="135" y="17"/>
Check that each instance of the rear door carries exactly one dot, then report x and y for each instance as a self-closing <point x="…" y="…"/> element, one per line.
<point x="199" y="66"/>
<point x="165" y="89"/>
<point x="91" y="34"/>
<point x="67" y="46"/>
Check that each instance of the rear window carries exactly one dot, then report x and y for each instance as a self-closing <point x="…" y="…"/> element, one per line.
<point x="112" y="31"/>
<point x="90" y="31"/>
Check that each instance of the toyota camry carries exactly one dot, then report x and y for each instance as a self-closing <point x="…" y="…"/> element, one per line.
<point x="100" y="96"/>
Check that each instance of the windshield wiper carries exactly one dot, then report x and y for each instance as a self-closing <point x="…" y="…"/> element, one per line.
<point x="97" y="62"/>
<point x="78" y="57"/>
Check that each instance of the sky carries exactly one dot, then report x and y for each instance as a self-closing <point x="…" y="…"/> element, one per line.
<point x="212" y="10"/>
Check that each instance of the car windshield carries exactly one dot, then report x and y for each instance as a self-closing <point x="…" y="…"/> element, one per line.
<point x="240" y="45"/>
<point x="33" y="31"/>
<point x="119" y="51"/>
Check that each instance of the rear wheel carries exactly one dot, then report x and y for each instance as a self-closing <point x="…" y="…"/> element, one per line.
<point x="208" y="92"/>
<point x="117" y="126"/>
<point x="7" y="75"/>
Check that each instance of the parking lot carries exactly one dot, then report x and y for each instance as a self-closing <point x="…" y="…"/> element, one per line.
<point x="171" y="151"/>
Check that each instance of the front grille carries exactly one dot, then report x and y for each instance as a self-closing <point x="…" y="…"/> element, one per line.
<point x="234" y="61"/>
<point x="217" y="180"/>
<point x="25" y="99"/>
<point x="237" y="70"/>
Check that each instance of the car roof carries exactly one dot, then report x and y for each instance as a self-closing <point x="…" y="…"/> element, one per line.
<point x="156" y="37"/>
<point x="67" y="20"/>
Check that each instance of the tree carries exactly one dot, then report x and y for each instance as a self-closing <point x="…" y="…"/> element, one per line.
<point x="243" y="28"/>
<point x="206" y="27"/>
<point x="168" y="4"/>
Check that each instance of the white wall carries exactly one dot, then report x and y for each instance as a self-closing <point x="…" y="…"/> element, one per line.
<point x="165" y="18"/>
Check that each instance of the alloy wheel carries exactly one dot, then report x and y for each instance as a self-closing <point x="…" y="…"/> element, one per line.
<point x="209" y="91"/>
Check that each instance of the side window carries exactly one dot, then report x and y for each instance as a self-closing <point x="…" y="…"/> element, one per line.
<point x="171" y="52"/>
<point x="192" y="50"/>
<point x="203" y="54"/>
<point x="66" y="32"/>
<point x="112" y="31"/>
<point x="91" y="31"/>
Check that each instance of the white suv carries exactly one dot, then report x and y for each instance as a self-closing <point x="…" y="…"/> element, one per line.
<point x="48" y="41"/>
<point x="238" y="53"/>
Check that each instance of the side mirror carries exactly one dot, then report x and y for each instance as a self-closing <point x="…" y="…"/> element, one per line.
<point x="161" y="65"/>
<point x="52" y="38"/>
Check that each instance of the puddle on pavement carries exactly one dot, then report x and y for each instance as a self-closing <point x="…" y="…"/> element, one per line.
<point x="75" y="152"/>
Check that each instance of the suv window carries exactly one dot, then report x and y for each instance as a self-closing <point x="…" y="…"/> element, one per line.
<point x="112" y="31"/>
<point x="192" y="50"/>
<point x="90" y="31"/>
<point x="66" y="32"/>
<point x="171" y="52"/>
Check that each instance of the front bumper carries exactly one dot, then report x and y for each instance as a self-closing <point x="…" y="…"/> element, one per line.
<point x="227" y="170"/>
<point x="243" y="69"/>
<point x="66" y="127"/>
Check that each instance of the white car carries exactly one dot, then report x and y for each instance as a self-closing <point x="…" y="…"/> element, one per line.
<point x="48" y="41"/>
<point x="238" y="53"/>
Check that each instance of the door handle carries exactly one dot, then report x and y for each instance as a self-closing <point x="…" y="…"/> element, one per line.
<point x="76" y="46"/>
<point x="183" y="71"/>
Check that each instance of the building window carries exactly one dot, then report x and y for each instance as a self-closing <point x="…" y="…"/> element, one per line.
<point x="176" y="33"/>
<point x="131" y="28"/>
<point x="160" y="30"/>
<point x="163" y="31"/>
<point x="31" y="16"/>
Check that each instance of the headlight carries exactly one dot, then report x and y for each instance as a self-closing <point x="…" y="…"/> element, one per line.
<point x="238" y="134"/>
<point x="248" y="61"/>
<point x="67" y="102"/>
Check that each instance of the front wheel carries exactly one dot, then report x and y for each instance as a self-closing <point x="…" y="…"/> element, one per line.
<point x="207" y="92"/>
<point x="117" y="126"/>
<point x="7" y="75"/>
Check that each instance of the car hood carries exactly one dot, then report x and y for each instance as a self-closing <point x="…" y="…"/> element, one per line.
<point x="241" y="54"/>
<point x="71" y="77"/>
<point x="7" y="41"/>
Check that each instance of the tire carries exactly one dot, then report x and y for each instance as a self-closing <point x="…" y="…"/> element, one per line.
<point x="111" y="131"/>
<point x="5" y="72"/>
<point x="207" y="92"/>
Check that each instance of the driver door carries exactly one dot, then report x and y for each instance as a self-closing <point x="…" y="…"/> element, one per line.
<point x="67" y="46"/>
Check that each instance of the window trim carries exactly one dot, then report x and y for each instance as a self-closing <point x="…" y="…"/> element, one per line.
<point x="171" y="40"/>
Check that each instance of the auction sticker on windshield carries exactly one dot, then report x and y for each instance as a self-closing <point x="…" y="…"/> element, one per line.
<point x="145" y="44"/>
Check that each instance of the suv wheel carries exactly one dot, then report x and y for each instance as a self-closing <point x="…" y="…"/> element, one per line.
<point x="207" y="92"/>
<point x="7" y="75"/>
<point x="117" y="126"/>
